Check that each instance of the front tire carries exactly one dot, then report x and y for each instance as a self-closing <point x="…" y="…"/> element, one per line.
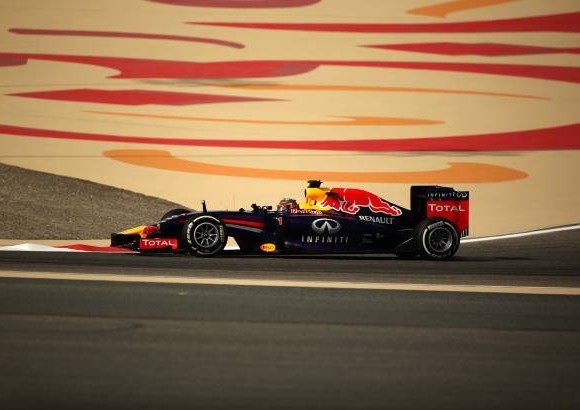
<point x="436" y="239"/>
<point x="204" y="235"/>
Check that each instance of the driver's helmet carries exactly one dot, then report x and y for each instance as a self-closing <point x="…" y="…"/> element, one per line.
<point x="287" y="204"/>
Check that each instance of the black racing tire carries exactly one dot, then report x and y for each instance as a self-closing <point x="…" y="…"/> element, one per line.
<point x="204" y="235"/>
<point x="173" y="212"/>
<point x="436" y="238"/>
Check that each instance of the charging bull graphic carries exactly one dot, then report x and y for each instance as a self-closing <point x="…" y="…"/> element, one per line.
<point x="350" y="200"/>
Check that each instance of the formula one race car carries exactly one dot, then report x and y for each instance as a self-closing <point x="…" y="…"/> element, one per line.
<point x="343" y="220"/>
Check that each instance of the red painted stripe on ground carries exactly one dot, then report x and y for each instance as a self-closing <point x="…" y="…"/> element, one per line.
<point x="562" y="23"/>
<point x="135" y="97"/>
<point x="143" y="68"/>
<point x="480" y="49"/>
<point x="118" y="34"/>
<point x="247" y="4"/>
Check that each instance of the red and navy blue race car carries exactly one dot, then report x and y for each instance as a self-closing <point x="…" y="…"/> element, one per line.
<point x="343" y="220"/>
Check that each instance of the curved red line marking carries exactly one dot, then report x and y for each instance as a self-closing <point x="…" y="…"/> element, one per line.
<point x="480" y="49"/>
<point x="238" y="3"/>
<point x="565" y="137"/>
<point x="135" y="97"/>
<point x="141" y="68"/>
<point x="116" y="34"/>
<point x="564" y="23"/>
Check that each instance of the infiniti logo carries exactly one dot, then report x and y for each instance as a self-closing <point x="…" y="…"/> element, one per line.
<point x="325" y="226"/>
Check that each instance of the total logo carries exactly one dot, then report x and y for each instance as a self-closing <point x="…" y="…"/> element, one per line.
<point x="446" y="208"/>
<point x="325" y="226"/>
<point x="158" y="243"/>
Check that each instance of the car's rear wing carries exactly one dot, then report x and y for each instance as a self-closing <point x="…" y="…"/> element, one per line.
<point x="444" y="202"/>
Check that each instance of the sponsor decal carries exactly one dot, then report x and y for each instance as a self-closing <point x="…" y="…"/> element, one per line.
<point x="377" y="219"/>
<point x="158" y="243"/>
<point x="435" y="225"/>
<point x="457" y="212"/>
<point x="325" y="226"/>
<point x="435" y="207"/>
<point x="350" y="200"/>
<point x="448" y="195"/>
<point x="306" y="212"/>
<point x="325" y="239"/>
<point x="268" y="247"/>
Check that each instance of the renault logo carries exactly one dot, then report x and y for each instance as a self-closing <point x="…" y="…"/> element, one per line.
<point x="325" y="226"/>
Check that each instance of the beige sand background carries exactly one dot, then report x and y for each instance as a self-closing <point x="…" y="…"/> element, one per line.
<point x="548" y="196"/>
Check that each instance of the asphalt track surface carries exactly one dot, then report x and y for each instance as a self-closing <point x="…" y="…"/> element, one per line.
<point x="117" y="345"/>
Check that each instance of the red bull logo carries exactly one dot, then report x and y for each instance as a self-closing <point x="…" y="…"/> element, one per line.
<point x="350" y="200"/>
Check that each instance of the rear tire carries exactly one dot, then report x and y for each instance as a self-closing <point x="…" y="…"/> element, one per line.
<point x="436" y="239"/>
<point x="204" y="235"/>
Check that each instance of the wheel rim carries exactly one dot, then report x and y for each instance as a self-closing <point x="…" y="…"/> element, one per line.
<point x="206" y="235"/>
<point x="440" y="239"/>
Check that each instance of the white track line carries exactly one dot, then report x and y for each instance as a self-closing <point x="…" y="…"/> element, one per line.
<point x="528" y="290"/>
<point x="35" y="247"/>
<point x="522" y="234"/>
